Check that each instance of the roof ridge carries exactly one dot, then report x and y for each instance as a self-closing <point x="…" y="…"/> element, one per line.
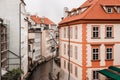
<point x="91" y="8"/>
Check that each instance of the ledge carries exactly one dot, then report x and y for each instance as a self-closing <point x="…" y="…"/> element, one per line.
<point x="95" y="60"/>
<point x="95" y="37"/>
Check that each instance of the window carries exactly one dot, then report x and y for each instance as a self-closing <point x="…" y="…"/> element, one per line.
<point x="76" y="71"/>
<point x="64" y="32"/>
<point x="109" y="53"/>
<point x="64" y="49"/>
<point x="71" y="32"/>
<point x="95" y="75"/>
<point x="29" y="48"/>
<point x="109" y="30"/>
<point x="68" y="35"/>
<point x="71" y="50"/>
<point x="68" y="52"/>
<point x="68" y="66"/>
<point x="118" y="9"/>
<point x="76" y="32"/>
<point x="76" y="52"/>
<point x="95" y="32"/>
<point x="95" y="54"/>
<point x="109" y="10"/>
<point x="64" y="64"/>
<point x="71" y="68"/>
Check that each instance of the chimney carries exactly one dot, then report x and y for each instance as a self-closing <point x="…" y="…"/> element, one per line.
<point x="66" y="10"/>
<point x="42" y="19"/>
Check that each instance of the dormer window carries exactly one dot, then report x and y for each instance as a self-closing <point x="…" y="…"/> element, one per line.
<point x="109" y="9"/>
<point x="118" y="9"/>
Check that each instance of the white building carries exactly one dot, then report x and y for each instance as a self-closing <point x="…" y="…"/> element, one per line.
<point x="90" y="40"/>
<point x="48" y="35"/>
<point x="13" y="11"/>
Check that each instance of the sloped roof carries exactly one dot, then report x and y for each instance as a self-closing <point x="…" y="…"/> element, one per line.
<point x="94" y="11"/>
<point x="41" y="20"/>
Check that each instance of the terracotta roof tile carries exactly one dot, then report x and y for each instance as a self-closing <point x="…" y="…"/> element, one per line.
<point x="94" y="11"/>
<point x="40" y="20"/>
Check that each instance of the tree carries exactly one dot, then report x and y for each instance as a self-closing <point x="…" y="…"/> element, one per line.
<point x="15" y="74"/>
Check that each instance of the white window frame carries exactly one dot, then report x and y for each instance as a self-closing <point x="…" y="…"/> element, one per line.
<point x="95" y="75"/>
<point x="109" y="53"/>
<point x="109" y="8"/>
<point x="95" y="55"/>
<point x="95" y="33"/>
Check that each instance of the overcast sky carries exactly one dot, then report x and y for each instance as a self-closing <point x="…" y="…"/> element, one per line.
<point x="52" y="9"/>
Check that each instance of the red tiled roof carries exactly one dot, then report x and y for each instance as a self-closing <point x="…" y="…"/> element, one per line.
<point x="40" y="20"/>
<point x="94" y="11"/>
<point x="36" y="19"/>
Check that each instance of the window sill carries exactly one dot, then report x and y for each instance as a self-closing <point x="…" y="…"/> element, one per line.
<point x="95" y="37"/>
<point x="109" y="37"/>
<point x="109" y="59"/>
<point x="95" y="60"/>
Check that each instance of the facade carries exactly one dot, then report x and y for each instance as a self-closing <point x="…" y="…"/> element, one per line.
<point x="90" y="40"/>
<point x="34" y="44"/>
<point x="3" y="47"/>
<point x="48" y="32"/>
<point x="14" y="13"/>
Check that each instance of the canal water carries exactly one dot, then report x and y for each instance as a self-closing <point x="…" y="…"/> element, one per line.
<point x="43" y="71"/>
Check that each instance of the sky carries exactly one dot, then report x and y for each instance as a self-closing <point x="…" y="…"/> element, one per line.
<point x="53" y="9"/>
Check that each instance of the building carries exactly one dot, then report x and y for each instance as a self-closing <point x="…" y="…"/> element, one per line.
<point x="35" y="45"/>
<point x="44" y="31"/>
<point x="90" y="40"/>
<point x="3" y="48"/>
<point x="14" y="13"/>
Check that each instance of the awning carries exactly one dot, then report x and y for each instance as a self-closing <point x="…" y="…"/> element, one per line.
<point x="108" y="73"/>
<point x="115" y="69"/>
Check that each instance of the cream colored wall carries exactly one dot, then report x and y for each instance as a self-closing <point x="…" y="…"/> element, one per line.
<point x="79" y="47"/>
<point x="117" y="54"/>
<point x="102" y="46"/>
<point x="102" y="33"/>
<point x="73" y="38"/>
<point x="102" y="55"/>
<point x="73" y="69"/>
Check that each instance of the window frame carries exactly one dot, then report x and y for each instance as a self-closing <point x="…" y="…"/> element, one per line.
<point x="112" y="31"/>
<point x="76" y="71"/>
<point x="64" y="64"/>
<point x="64" y="32"/>
<point x="96" y="78"/>
<point x="71" y="32"/>
<point x="118" y="9"/>
<point x="95" y="47"/>
<point x="71" y="50"/>
<point x="109" y="46"/>
<point x="76" y="52"/>
<point x="76" y="32"/>
<point x="98" y="26"/>
<point x="64" y="49"/>
<point x="71" y="68"/>
<point x="109" y="8"/>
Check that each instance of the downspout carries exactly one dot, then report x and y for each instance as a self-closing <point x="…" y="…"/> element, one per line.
<point x="20" y="32"/>
<point x="69" y="52"/>
<point x="0" y="52"/>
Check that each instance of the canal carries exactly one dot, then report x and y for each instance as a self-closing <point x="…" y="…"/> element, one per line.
<point x="44" y="70"/>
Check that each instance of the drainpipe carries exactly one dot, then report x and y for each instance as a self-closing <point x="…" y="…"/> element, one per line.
<point x="20" y="33"/>
<point x="0" y="51"/>
<point x="69" y="51"/>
